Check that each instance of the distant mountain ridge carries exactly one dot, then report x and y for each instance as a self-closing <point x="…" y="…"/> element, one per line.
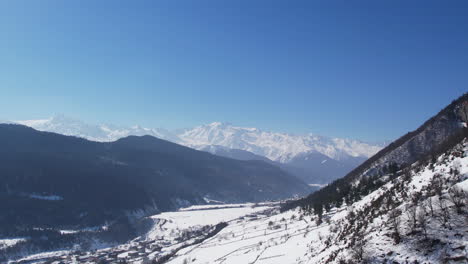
<point x="68" y="126"/>
<point x="281" y="147"/>
<point x="236" y="142"/>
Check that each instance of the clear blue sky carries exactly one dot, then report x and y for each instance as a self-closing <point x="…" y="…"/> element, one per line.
<point x="370" y="70"/>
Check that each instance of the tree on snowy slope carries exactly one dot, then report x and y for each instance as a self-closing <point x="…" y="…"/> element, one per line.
<point x="463" y="110"/>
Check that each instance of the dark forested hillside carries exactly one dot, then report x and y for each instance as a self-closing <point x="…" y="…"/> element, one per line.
<point x="48" y="179"/>
<point x="311" y="167"/>
<point x="314" y="167"/>
<point x="436" y="135"/>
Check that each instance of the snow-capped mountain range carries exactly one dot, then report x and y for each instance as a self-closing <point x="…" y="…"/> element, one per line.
<point x="279" y="147"/>
<point x="64" y="125"/>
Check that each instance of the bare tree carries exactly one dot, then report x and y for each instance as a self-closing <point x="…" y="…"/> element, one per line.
<point x="412" y="217"/>
<point x="464" y="111"/>
<point x="341" y="260"/>
<point x="407" y="174"/>
<point x="458" y="197"/>
<point x="430" y="205"/>
<point x="422" y="220"/>
<point x="437" y="184"/>
<point x="444" y="214"/>
<point x="416" y="197"/>
<point x="359" y="253"/>
<point x="394" y="223"/>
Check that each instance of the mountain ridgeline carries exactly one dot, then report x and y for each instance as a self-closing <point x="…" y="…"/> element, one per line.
<point x="311" y="167"/>
<point x="49" y="180"/>
<point x="314" y="159"/>
<point x="435" y="136"/>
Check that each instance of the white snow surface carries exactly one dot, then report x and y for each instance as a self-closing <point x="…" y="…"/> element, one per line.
<point x="8" y="242"/>
<point x="253" y="240"/>
<point x="287" y="238"/>
<point x="281" y="147"/>
<point x="202" y="215"/>
<point x="37" y="258"/>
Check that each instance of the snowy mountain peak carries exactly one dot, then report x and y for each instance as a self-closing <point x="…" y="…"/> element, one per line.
<point x="69" y="126"/>
<point x="219" y="124"/>
<point x="281" y="147"/>
<point x="223" y="125"/>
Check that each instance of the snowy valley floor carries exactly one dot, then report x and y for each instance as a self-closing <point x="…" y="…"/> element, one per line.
<point x="260" y="233"/>
<point x="253" y="233"/>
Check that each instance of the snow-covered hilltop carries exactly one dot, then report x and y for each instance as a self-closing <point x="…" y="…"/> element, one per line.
<point x="280" y="147"/>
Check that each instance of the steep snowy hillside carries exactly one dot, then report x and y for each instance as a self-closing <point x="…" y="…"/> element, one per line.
<point x="418" y="216"/>
<point x="419" y="143"/>
<point x="440" y="131"/>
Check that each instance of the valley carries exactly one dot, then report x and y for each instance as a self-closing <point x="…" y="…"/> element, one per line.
<point x="405" y="204"/>
<point x="264" y="233"/>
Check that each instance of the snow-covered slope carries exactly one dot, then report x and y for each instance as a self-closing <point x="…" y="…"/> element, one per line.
<point x="362" y="232"/>
<point x="420" y="142"/>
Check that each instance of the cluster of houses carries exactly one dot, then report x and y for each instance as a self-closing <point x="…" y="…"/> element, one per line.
<point x="136" y="252"/>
